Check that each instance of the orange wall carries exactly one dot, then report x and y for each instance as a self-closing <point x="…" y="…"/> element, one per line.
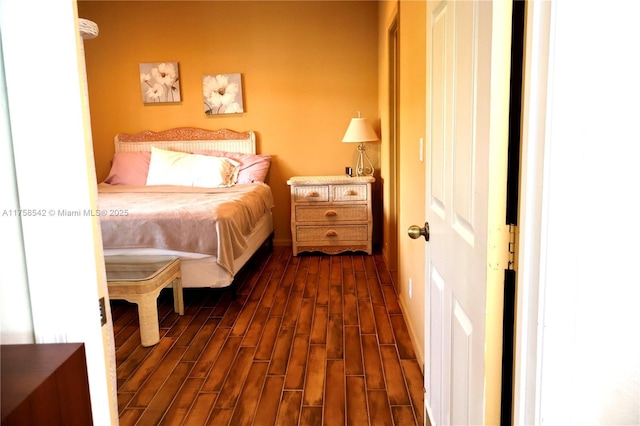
<point x="411" y="172"/>
<point x="307" y="68"/>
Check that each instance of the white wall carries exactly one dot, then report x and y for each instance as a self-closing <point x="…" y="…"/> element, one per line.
<point x="582" y="363"/>
<point x="54" y="171"/>
<point x="15" y="309"/>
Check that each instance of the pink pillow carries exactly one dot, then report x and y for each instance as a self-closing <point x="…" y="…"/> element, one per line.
<point x="129" y="168"/>
<point x="253" y="167"/>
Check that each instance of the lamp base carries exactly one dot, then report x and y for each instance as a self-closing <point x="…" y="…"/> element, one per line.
<point x="361" y="168"/>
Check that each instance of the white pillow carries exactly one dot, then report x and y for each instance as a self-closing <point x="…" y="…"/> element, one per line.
<point x="181" y="168"/>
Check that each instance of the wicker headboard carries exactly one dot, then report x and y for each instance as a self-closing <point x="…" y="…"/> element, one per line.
<point x="187" y="139"/>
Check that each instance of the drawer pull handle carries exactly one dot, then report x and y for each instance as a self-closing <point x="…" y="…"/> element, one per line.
<point x="313" y="194"/>
<point x="351" y="192"/>
<point x="330" y="213"/>
<point x="331" y="233"/>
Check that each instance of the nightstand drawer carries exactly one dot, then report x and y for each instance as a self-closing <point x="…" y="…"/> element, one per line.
<point x="349" y="192"/>
<point x="311" y="193"/>
<point x="332" y="233"/>
<point x="331" y="213"/>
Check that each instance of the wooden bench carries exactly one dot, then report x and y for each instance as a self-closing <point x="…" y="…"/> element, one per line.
<point x="139" y="280"/>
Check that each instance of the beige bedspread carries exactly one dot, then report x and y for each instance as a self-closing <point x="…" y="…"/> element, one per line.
<point x="212" y="221"/>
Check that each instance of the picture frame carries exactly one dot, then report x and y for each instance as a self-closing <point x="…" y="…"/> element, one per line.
<point x="222" y="94"/>
<point x="160" y="82"/>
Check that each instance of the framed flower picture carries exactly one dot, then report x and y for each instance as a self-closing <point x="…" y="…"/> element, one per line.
<point x="222" y="94"/>
<point x="160" y="82"/>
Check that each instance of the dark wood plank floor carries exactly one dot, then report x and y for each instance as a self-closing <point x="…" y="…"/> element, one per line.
<point x="309" y="340"/>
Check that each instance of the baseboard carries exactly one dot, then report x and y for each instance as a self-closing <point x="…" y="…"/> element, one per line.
<point x="282" y="242"/>
<point x="412" y="335"/>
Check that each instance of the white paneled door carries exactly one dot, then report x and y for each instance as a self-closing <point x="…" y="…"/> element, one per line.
<point x="468" y="57"/>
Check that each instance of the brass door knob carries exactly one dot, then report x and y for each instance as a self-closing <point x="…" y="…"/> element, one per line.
<point x="415" y="231"/>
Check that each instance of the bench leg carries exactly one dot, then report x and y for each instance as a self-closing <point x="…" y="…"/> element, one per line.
<point x="178" y="300"/>
<point x="148" y="315"/>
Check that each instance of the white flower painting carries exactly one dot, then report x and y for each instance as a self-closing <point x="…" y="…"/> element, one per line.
<point x="222" y="94"/>
<point x="160" y="82"/>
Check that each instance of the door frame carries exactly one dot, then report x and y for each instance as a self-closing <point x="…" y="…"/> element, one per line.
<point x="390" y="240"/>
<point x="527" y="356"/>
<point x="63" y="257"/>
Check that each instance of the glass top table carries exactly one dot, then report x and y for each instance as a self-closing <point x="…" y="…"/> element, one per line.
<point x="136" y="268"/>
<point x="139" y="280"/>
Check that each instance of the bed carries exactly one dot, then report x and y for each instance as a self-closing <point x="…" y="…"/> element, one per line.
<point x="198" y="194"/>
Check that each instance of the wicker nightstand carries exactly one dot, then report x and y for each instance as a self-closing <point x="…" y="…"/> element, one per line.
<point x="331" y="214"/>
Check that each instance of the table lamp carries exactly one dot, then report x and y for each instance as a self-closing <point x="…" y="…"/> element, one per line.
<point x="360" y="131"/>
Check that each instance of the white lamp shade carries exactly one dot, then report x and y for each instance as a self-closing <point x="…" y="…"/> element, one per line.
<point x="360" y="130"/>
